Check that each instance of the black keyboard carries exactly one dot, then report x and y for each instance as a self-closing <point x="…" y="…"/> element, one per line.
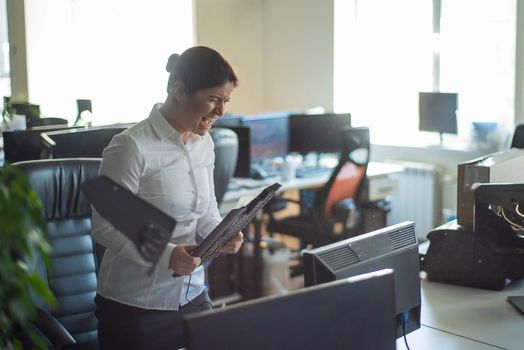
<point x="234" y="221"/>
<point x="312" y="172"/>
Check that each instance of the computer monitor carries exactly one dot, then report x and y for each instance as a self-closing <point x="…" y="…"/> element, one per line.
<point x="80" y="142"/>
<point x="437" y="112"/>
<point x="27" y="144"/>
<point x="353" y="313"/>
<point x="229" y="120"/>
<point x="317" y="132"/>
<point x="242" y="168"/>
<point x="392" y="247"/>
<point x="269" y="135"/>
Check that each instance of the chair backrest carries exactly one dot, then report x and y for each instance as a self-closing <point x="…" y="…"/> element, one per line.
<point x="518" y="137"/>
<point x="226" y="153"/>
<point x="67" y="211"/>
<point x="348" y="178"/>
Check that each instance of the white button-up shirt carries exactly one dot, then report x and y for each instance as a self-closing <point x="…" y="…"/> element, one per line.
<point x="151" y="161"/>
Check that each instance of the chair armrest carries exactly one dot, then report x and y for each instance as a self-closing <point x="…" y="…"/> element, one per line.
<point x="52" y="329"/>
<point x="383" y="204"/>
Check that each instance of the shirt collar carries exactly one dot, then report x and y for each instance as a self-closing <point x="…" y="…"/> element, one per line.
<point x="163" y="129"/>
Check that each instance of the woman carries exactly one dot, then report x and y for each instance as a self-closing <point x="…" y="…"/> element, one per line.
<point x="167" y="159"/>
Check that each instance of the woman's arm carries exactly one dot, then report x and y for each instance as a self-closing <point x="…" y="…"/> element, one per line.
<point x="123" y="163"/>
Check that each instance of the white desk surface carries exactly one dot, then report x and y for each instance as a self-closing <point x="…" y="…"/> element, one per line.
<point x="475" y="314"/>
<point x="375" y="170"/>
<point x="426" y="338"/>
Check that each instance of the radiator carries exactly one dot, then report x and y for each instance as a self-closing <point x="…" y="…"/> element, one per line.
<point x="417" y="198"/>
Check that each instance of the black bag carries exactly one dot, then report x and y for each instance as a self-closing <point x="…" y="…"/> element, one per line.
<point x="486" y="257"/>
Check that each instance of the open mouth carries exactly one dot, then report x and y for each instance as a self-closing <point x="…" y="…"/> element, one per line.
<point x="208" y="121"/>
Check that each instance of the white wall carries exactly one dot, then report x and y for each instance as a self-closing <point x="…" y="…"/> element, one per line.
<point x="298" y="54"/>
<point x="17" y="49"/>
<point x="234" y="28"/>
<point x="282" y="49"/>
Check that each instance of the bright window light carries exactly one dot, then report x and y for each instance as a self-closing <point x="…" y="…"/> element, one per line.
<point x="110" y="51"/>
<point x="384" y="56"/>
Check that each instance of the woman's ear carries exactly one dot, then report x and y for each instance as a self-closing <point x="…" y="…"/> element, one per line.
<point x="179" y="90"/>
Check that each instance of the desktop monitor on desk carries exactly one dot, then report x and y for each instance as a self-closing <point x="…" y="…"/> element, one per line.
<point x="317" y="132"/>
<point x="80" y="142"/>
<point x="269" y="135"/>
<point x="269" y="140"/>
<point x="392" y="247"/>
<point x="354" y="313"/>
<point x="27" y="144"/>
<point x="229" y="120"/>
<point x="437" y="112"/>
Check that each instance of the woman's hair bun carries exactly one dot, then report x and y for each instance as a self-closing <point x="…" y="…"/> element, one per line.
<point x="170" y="66"/>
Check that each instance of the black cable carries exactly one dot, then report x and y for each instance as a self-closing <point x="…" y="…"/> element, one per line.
<point x="404" y="321"/>
<point x="191" y="302"/>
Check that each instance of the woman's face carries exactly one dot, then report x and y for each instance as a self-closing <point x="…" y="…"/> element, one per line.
<point x="198" y="112"/>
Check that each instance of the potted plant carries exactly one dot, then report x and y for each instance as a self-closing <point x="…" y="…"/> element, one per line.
<point x="22" y="238"/>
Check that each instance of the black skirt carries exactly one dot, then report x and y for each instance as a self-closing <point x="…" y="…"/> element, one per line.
<point x="122" y="326"/>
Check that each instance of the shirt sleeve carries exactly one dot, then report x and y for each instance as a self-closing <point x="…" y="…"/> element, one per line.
<point x="123" y="163"/>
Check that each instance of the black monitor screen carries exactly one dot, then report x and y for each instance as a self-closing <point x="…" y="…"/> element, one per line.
<point x="317" y="132"/>
<point x="393" y="247"/>
<point x="355" y="313"/>
<point x="437" y="112"/>
<point x="229" y="120"/>
<point x="27" y="144"/>
<point x="81" y="142"/>
<point x="242" y="168"/>
<point x="269" y="135"/>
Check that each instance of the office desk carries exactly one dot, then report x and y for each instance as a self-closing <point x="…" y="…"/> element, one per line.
<point x="455" y="317"/>
<point x="479" y="314"/>
<point x="427" y="338"/>
<point x="380" y="185"/>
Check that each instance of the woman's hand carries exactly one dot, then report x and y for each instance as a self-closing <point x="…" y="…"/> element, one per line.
<point x="181" y="261"/>
<point x="234" y="244"/>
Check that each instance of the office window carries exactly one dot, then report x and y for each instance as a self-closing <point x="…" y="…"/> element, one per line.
<point x="110" y="51"/>
<point x="5" y="70"/>
<point x="388" y="51"/>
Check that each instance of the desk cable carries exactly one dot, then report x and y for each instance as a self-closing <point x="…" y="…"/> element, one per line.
<point x="404" y="321"/>
<point x="190" y="301"/>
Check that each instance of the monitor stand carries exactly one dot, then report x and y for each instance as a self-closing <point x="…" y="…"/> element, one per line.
<point x="437" y="145"/>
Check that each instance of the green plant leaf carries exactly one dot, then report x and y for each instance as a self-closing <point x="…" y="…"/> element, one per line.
<point x="22" y="238"/>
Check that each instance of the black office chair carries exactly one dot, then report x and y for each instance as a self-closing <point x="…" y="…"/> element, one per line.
<point x="82" y="105"/>
<point x="226" y="152"/>
<point x="74" y="255"/>
<point x="338" y="201"/>
<point x="518" y="137"/>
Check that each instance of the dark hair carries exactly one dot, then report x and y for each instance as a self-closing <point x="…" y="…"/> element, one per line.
<point x="199" y="68"/>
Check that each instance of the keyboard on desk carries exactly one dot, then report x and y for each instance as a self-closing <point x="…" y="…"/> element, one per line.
<point x="312" y="172"/>
<point x="240" y="183"/>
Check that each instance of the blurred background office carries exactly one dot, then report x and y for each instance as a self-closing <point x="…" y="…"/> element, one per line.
<point x="369" y="58"/>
